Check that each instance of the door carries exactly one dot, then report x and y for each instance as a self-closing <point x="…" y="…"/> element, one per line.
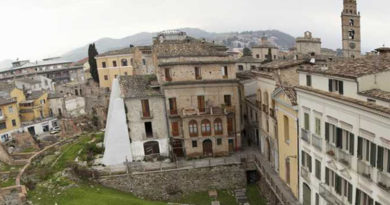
<point x="306" y="194"/>
<point x="207" y="148"/>
<point x="231" y="145"/>
<point x="177" y="148"/>
<point x="151" y="148"/>
<point x="201" y="104"/>
<point x="230" y="126"/>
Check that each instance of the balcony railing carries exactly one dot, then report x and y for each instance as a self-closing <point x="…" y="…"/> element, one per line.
<point x="383" y="180"/>
<point x="305" y="173"/>
<point x="329" y="196"/>
<point x="305" y="135"/>
<point x="145" y="115"/>
<point x="317" y="142"/>
<point x="364" y="169"/>
<point x="338" y="154"/>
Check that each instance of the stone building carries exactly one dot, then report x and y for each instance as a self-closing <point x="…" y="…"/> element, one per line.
<point x="266" y="51"/>
<point x="146" y="117"/>
<point x="247" y="63"/>
<point x="307" y="45"/>
<point x="350" y="25"/>
<point x="202" y="95"/>
<point x="344" y="123"/>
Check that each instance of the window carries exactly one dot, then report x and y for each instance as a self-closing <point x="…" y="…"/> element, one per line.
<point x="206" y="128"/>
<point x="286" y="129"/>
<point x="105" y="77"/>
<point x="230" y="126"/>
<point x="201" y="104"/>
<point x="318" y="127"/>
<point x="43" y="101"/>
<point x="143" y="61"/>
<point x="219" y="141"/>
<point x="114" y="63"/>
<point x="318" y="170"/>
<point x="336" y="86"/>
<point x="351" y="34"/>
<point x="257" y="56"/>
<point x="228" y="100"/>
<point x="341" y="186"/>
<point x="218" y="126"/>
<point x="104" y="64"/>
<point x="363" y="198"/>
<point x="167" y="74"/>
<point x="225" y="73"/>
<point x="253" y="67"/>
<point x="124" y="62"/>
<point x="306" y="161"/>
<point x="175" y="129"/>
<point x="351" y="22"/>
<point x="317" y="199"/>
<point x="198" y="75"/>
<point x="145" y="108"/>
<point x="193" y="128"/>
<point x="11" y="109"/>
<point x="308" y="80"/>
<point x="288" y="171"/>
<point x="240" y="67"/>
<point x="367" y="151"/>
<point x="148" y="129"/>
<point x="14" y="123"/>
<point x="307" y="121"/>
<point x="194" y="143"/>
<point x="3" y="125"/>
<point x="172" y="106"/>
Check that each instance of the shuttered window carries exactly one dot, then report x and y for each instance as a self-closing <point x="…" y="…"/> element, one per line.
<point x="175" y="129"/>
<point x="201" y="104"/>
<point x="379" y="163"/>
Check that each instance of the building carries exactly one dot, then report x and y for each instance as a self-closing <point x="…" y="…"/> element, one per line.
<point x="350" y="25"/>
<point x="202" y="95"/>
<point x="286" y="111"/>
<point x="35" y="83"/>
<point x="35" y="107"/>
<point x="344" y="126"/>
<point x="266" y="51"/>
<point x="146" y="117"/>
<point x="307" y="45"/>
<point x="247" y="63"/>
<point x="9" y="117"/>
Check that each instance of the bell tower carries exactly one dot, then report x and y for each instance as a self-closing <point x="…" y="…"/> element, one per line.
<point x="350" y="23"/>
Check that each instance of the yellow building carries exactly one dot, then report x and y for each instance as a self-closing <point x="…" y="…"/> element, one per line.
<point x="114" y="63"/>
<point x="287" y="115"/>
<point x="35" y="107"/>
<point x="9" y="117"/>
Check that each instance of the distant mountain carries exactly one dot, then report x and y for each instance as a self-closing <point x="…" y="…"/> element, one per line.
<point x="231" y="39"/>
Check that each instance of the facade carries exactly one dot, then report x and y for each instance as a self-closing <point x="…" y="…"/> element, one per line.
<point x="9" y="118"/>
<point x="35" y="83"/>
<point x="247" y="63"/>
<point x="344" y="123"/>
<point x="286" y="111"/>
<point x="265" y="51"/>
<point x="35" y="107"/>
<point x="202" y="95"/>
<point x="350" y="25"/>
<point x="146" y="117"/>
<point x="307" y="45"/>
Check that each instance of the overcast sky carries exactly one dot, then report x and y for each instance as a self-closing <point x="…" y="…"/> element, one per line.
<point x="35" y="29"/>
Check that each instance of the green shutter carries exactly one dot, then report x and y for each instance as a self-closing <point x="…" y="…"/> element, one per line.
<point x="373" y="155"/>
<point x="327" y="132"/>
<point x="327" y="176"/>
<point x="360" y="148"/>
<point x="379" y="163"/>
<point x="309" y="163"/>
<point x="339" y="138"/>
<point x="350" y="190"/>
<point x="351" y="143"/>
<point x="307" y="121"/>
<point x="338" y="184"/>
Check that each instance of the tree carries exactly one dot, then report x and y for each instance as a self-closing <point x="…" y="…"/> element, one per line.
<point x="247" y="52"/>
<point x="92" y="53"/>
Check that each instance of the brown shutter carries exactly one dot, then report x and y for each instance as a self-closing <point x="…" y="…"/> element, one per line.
<point x="175" y="129"/>
<point x="201" y="104"/>
<point x="172" y="106"/>
<point x="145" y="108"/>
<point x="230" y="125"/>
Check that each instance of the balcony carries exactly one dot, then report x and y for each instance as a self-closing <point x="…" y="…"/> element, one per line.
<point x="338" y="154"/>
<point x="305" y="135"/>
<point x="305" y="173"/>
<point x="145" y="115"/>
<point x="364" y="169"/>
<point x="317" y="142"/>
<point x="383" y="180"/>
<point x="329" y="196"/>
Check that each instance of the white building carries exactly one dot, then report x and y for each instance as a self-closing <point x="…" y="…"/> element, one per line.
<point x="35" y="83"/>
<point x="344" y="119"/>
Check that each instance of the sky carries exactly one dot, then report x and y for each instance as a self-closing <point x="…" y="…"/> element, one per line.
<point x="36" y="29"/>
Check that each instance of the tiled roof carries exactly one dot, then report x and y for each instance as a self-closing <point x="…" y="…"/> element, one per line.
<point x="35" y="95"/>
<point x="352" y="68"/>
<point x="55" y="95"/>
<point x="377" y="93"/>
<point x="281" y="64"/>
<point x="138" y="86"/>
<point x="5" y="101"/>
<point x="189" y="47"/>
<point x="343" y="98"/>
<point x="248" y="59"/>
<point x="122" y="51"/>
<point x="291" y="94"/>
<point x="195" y="63"/>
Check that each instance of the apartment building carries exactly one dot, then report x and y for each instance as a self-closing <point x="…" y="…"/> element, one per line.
<point x="202" y="95"/>
<point x="344" y="126"/>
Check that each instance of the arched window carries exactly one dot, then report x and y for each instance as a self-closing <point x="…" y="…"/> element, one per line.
<point x="218" y="129"/>
<point x="351" y="22"/>
<point x="193" y="128"/>
<point x="206" y="128"/>
<point x="124" y="62"/>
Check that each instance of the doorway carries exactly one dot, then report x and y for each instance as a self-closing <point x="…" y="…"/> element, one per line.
<point x="306" y="194"/>
<point x="207" y="148"/>
<point x="231" y="145"/>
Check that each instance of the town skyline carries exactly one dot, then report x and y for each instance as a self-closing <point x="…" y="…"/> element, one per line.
<point x="66" y="32"/>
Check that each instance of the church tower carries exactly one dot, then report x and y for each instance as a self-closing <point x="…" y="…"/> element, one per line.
<point x="350" y="22"/>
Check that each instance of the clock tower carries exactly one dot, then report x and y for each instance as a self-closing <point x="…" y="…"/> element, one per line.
<point x="350" y="23"/>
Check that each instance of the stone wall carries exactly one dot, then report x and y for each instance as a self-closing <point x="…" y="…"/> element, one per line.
<point x="168" y="185"/>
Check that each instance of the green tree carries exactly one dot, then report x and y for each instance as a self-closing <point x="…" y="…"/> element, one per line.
<point x="247" y="52"/>
<point x="92" y="53"/>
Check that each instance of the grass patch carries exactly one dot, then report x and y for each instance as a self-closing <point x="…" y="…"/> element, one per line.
<point x="254" y="196"/>
<point x="9" y="182"/>
<point x="28" y="150"/>
<point x="225" y="197"/>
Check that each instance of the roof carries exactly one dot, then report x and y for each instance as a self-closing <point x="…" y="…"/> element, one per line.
<point x="35" y="95"/>
<point x="245" y="75"/>
<point x="377" y="93"/>
<point x="5" y="101"/>
<point x="352" y="68"/>
<point x="281" y="64"/>
<point x="123" y="51"/>
<point x="139" y="86"/>
<point x="80" y="62"/>
<point x="28" y="80"/>
<point x="195" y="63"/>
<point x="248" y="59"/>
<point x="188" y="47"/>
<point x="343" y="98"/>
<point x="291" y="94"/>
